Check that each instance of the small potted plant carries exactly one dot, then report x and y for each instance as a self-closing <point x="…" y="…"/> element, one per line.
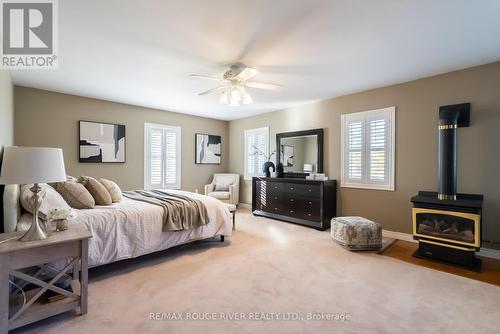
<point x="60" y="216"/>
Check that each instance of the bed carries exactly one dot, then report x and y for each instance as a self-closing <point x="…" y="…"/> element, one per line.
<point x="130" y="228"/>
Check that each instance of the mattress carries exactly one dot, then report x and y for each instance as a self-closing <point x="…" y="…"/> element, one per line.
<point x="132" y="228"/>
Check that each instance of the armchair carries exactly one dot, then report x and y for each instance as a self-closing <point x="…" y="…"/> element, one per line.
<point x="224" y="187"/>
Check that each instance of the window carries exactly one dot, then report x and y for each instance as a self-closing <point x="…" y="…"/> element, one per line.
<point x="162" y="156"/>
<point x="368" y="149"/>
<point x="256" y="140"/>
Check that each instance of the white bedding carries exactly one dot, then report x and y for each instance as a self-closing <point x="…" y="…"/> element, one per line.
<point x="132" y="228"/>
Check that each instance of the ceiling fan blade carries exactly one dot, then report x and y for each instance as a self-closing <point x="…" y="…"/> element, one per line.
<point x="211" y="90"/>
<point x="263" y="85"/>
<point x="199" y="76"/>
<point x="247" y="73"/>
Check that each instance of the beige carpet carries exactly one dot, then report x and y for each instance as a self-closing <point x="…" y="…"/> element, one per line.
<point x="271" y="266"/>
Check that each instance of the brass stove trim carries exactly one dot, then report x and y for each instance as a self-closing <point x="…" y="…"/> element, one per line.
<point x="443" y="197"/>
<point x="448" y="126"/>
<point x="472" y="216"/>
<point x="447" y="245"/>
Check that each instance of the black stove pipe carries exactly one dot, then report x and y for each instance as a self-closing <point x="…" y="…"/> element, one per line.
<point x="450" y="119"/>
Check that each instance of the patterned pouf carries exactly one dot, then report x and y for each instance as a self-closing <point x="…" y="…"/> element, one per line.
<point x="356" y="233"/>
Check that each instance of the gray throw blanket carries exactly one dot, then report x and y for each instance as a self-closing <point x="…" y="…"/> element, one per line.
<point x="180" y="212"/>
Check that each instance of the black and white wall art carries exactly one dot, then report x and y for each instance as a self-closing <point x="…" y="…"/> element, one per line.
<point x="102" y="142"/>
<point x="287" y="155"/>
<point x="208" y="149"/>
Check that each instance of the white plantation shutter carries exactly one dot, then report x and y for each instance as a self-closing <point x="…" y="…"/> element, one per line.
<point x="368" y="149"/>
<point x="356" y="146"/>
<point x="255" y="138"/>
<point x="162" y="156"/>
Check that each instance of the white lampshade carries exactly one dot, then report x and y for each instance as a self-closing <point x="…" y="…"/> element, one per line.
<point x="22" y="165"/>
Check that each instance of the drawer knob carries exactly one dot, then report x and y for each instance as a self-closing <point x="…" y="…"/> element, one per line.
<point x="309" y="214"/>
<point x="275" y="187"/>
<point x="275" y="208"/>
<point x="291" y="200"/>
<point x="275" y="197"/>
<point x="309" y="190"/>
<point x="310" y="202"/>
<point x="291" y="188"/>
<point x="291" y="211"/>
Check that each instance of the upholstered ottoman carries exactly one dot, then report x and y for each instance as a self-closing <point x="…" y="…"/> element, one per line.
<point x="356" y="233"/>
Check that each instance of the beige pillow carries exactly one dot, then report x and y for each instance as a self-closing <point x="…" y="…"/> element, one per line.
<point x="113" y="189"/>
<point x="222" y="187"/>
<point x="51" y="199"/>
<point x="75" y="194"/>
<point x="97" y="190"/>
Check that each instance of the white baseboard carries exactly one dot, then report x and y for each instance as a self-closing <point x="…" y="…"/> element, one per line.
<point x="484" y="252"/>
<point x="489" y="252"/>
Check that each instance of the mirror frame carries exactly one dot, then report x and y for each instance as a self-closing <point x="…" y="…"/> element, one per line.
<point x="314" y="132"/>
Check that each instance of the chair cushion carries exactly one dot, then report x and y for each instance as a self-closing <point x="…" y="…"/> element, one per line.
<point x="224" y="181"/>
<point x="222" y="186"/>
<point x="356" y="233"/>
<point x="219" y="194"/>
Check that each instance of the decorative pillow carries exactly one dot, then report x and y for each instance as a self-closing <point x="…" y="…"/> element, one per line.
<point x="113" y="189"/>
<point x="222" y="187"/>
<point x="75" y="194"/>
<point x="97" y="190"/>
<point x="51" y="199"/>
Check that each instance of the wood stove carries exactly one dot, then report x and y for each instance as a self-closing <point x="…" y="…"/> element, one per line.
<point x="446" y="224"/>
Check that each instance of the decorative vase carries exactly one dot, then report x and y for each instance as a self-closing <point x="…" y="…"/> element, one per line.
<point x="61" y="225"/>
<point x="280" y="169"/>
<point x="266" y="166"/>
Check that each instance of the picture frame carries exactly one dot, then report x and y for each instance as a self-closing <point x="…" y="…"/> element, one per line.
<point x="208" y="149"/>
<point x="100" y="142"/>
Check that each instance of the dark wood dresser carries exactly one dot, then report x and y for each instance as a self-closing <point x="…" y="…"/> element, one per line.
<point x="307" y="202"/>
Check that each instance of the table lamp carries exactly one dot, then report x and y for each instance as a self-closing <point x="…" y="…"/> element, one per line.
<point x="24" y="165"/>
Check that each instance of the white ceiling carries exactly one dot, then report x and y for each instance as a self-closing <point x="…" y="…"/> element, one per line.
<point x="140" y="52"/>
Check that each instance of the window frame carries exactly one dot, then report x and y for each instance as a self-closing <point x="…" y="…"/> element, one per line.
<point x="147" y="158"/>
<point x="254" y="131"/>
<point x="365" y="116"/>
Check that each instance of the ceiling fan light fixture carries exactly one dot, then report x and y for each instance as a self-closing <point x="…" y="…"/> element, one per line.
<point x="224" y="97"/>
<point x="247" y="99"/>
<point x="234" y="103"/>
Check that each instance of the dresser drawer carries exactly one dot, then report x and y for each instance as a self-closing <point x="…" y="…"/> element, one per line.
<point x="302" y="190"/>
<point x="302" y="208"/>
<point x="273" y="207"/>
<point x="273" y="188"/>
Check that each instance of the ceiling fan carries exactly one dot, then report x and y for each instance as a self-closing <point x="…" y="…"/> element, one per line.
<point x="233" y="83"/>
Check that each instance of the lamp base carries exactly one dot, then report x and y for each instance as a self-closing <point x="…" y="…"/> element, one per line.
<point x="35" y="231"/>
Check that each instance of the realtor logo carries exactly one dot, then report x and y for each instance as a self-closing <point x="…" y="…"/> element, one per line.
<point x="29" y="34"/>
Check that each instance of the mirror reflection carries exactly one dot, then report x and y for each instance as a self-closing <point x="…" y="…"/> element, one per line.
<point x="299" y="154"/>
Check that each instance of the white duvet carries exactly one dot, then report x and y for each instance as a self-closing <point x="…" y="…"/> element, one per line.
<point x="132" y="228"/>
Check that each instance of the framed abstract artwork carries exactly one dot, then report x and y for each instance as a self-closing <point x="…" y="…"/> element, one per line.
<point x="101" y="142"/>
<point x="207" y="149"/>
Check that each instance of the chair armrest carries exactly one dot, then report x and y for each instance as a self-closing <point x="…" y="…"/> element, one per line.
<point x="209" y="188"/>
<point x="234" y="194"/>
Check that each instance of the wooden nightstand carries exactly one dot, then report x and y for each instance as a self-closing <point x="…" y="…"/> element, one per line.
<point x="15" y="256"/>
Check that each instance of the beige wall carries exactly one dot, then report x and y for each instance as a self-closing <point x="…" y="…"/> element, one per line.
<point x="417" y="104"/>
<point x="6" y="110"/>
<point x="45" y="118"/>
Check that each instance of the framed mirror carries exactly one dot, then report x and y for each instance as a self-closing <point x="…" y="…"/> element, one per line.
<point x="300" y="152"/>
